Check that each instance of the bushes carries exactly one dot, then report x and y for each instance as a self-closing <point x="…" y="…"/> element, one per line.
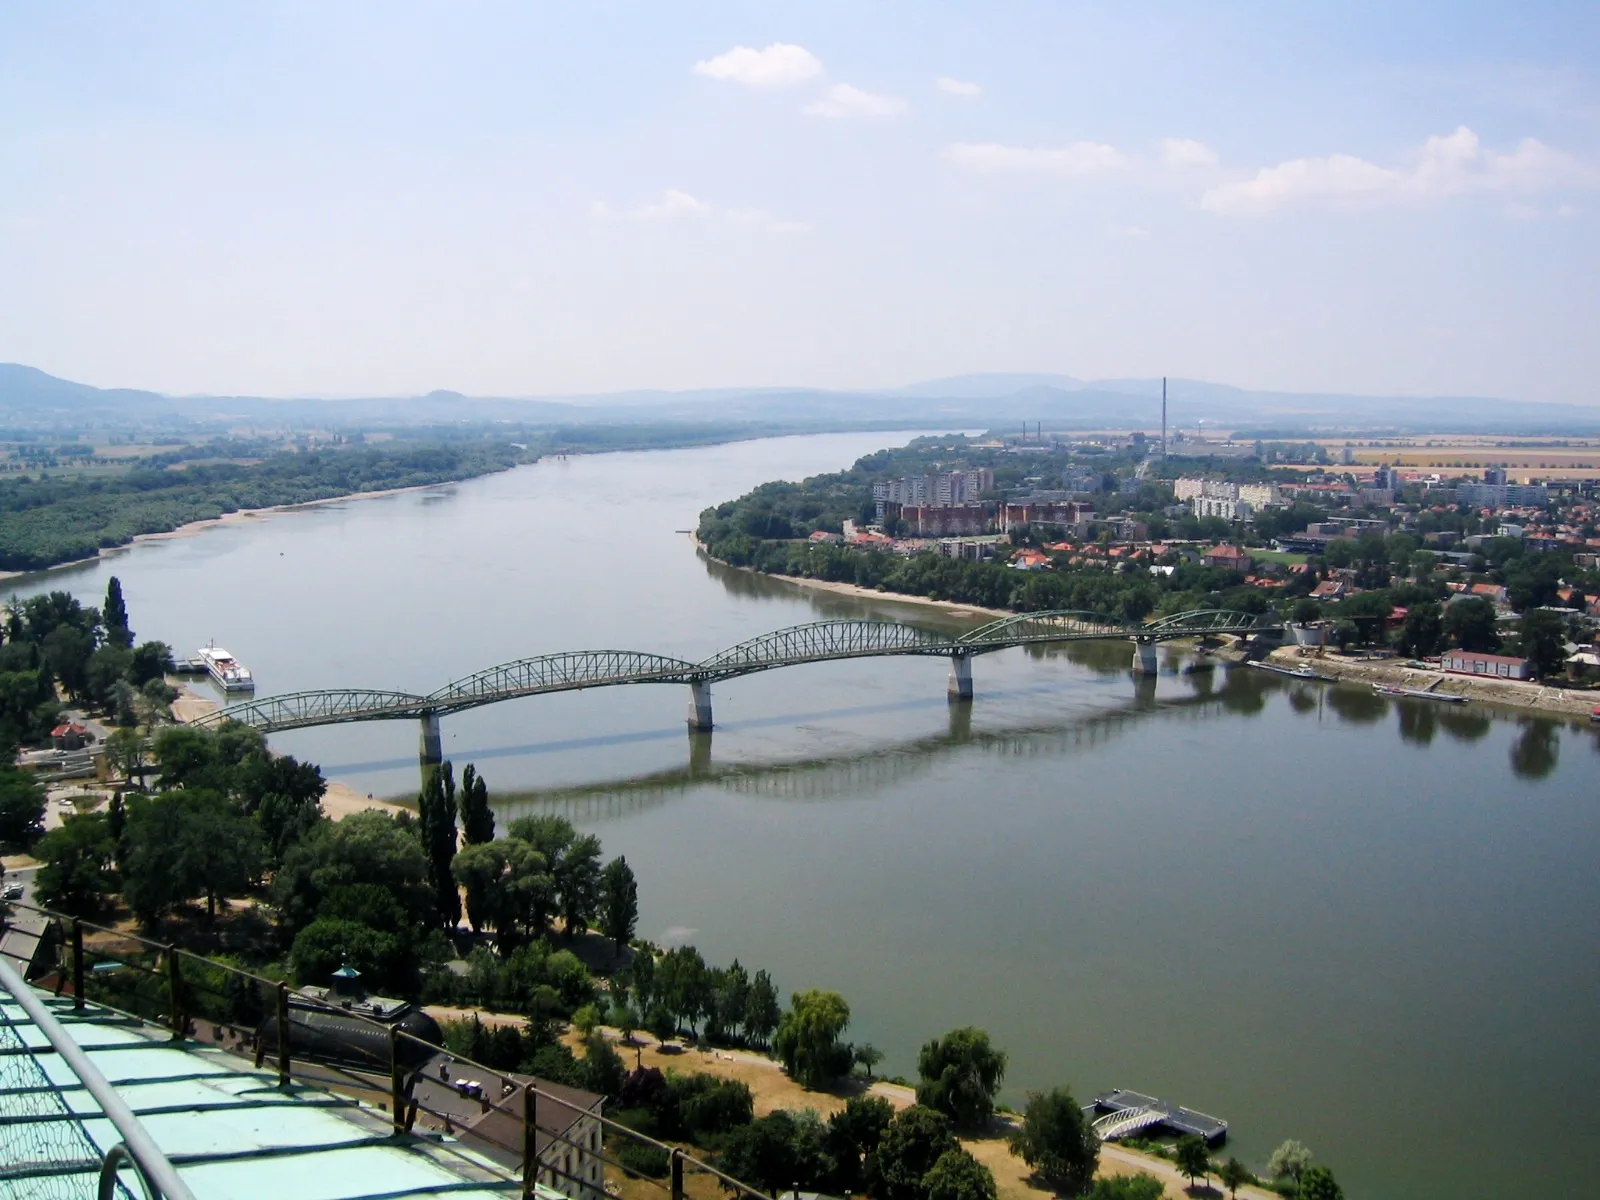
<point x="652" y="1162"/>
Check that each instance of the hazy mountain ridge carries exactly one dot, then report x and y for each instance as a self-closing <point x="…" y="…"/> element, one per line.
<point x="30" y="396"/>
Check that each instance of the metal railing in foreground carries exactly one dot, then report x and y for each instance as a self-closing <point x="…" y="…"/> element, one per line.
<point x="160" y="1180"/>
<point x="580" y="1152"/>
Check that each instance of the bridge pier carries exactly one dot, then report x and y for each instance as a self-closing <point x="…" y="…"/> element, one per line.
<point x="961" y="677"/>
<point x="430" y="745"/>
<point x="700" y="705"/>
<point x="1144" y="657"/>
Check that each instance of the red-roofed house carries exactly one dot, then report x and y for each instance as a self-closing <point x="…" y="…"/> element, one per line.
<point x="1229" y="558"/>
<point x="1501" y="666"/>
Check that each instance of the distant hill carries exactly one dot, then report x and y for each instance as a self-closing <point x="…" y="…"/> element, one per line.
<point x="30" y="398"/>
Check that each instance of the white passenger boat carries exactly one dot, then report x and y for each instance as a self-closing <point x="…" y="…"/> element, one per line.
<point x="230" y="674"/>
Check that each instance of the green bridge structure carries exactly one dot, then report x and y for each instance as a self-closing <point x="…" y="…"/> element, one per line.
<point x="820" y="641"/>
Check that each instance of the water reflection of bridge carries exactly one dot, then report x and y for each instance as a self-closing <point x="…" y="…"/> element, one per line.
<point x="867" y="769"/>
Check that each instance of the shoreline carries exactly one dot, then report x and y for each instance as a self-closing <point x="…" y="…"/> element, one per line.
<point x="955" y="608"/>
<point x="238" y="516"/>
<point x="1509" y="693"/>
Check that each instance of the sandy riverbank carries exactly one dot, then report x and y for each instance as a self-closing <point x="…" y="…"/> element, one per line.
<point x="1513" y="693"/>
<point x="237" y="517"/>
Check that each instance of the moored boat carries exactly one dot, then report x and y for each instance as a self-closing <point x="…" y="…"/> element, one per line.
<point x="1389" y="689"/>
<point x="229" y="673"/>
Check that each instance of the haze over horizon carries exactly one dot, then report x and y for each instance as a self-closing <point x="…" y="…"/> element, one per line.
<point x="519" y="202"/>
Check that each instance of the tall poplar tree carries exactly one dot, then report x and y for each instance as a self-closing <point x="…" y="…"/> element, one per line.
<point x="114" y="615"/>
<point x="619" y="902"/>
<point x="436" y="810"/>
<point x="477" y="818"/>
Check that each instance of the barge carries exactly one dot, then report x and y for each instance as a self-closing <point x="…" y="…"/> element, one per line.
<point x="226" y="671"/>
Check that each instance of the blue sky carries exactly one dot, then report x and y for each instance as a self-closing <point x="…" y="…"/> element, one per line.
<point x="558" y="198"/>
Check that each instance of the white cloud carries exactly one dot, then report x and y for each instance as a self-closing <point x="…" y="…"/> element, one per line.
<point x="843" y="100"/>
<point x="779" y="65"/>
<point x="678" y="205"/>
<point x="1074" y="160"/>
<point x="672" y="204"/>
<point x="959" y="87"/>
<point x="1445" y="165"/>
<point x="1567" y="210"/>
<point x="1186" y="152"/>
<point x="1130" y="231"/>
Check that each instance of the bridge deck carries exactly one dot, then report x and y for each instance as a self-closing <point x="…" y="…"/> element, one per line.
<point x="1175" y="1117"/>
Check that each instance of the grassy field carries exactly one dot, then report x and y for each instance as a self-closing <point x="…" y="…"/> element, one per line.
<point x="1277" y="556"/>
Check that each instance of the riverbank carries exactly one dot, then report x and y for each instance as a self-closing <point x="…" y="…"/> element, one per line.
<point x="1513" y="693"/>
<point x="952" y="607"/>
<point x="772" y="1089"/>
<point x="238" y="516"/>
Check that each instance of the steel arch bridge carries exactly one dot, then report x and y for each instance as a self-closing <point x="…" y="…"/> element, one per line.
<point x="820" y="641"/>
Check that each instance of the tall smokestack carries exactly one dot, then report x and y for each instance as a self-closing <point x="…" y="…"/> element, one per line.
<point x="1163" y="418"/>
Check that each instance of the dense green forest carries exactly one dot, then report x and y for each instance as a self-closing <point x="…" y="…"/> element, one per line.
<point x="55" y="520"/>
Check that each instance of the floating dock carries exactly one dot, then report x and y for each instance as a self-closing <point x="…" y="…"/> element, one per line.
<point x="1120" y="1113"/>
<point x="1384" y="689"/>
<point x="1294" y="672"/>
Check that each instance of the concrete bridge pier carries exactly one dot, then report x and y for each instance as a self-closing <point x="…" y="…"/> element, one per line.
<point x="700" y="705"/>
<point x="961" y="677"/>
<point x="430" y="746"/>
<point x="1144" y="657"/>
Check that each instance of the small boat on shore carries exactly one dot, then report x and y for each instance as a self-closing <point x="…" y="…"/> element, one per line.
<point x="1294" y="672"/>
<point x="1389" y="689"/>
<point x="229" y="673"/>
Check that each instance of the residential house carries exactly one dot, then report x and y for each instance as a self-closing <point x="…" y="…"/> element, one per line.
<point x="1229" y="558"/>
<point x="1330" y="589"/>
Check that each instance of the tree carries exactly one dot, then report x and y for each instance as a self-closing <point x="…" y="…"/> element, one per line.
<point x="958" y="1176"/>
<point x="21" y="807"/>
<point x="125" y="748"/>
<point x="365" y="847"/>
<point x="619" y="902"/>
<point x="76" y="877"/>
<point x="114" y="615"/>
<point x="1318" y="1183"/>
<point x="779" y="1153"/>
<point x="151" y="661"/>
<point x="1289" y="1161"/>
<point x="181" y="845"/>
<point x="853" y="1133"/>
<point x="436" y="810"/>
<point x="1126" y="1187"/>
<point x="1057" y="1142"/>
<point x="578" y="882"/>
<point x="481" y="871"/>
<point x="603" y="1071"/>
<point x="1235" y="1175"/>
<point x="1423" y="631"/>
<point x="912" y="1143"/>
<point x="868" y="1056"/>
<point x="1470" y="624"/>
<point x="477" y="818"/>
<point x="762" y="1010"/>
<point x="1543" y="638"/>
<point x="329" y="943"/>
<point x="1306" y="610"/>
<point x="683" y="984"/>
<point x="106" y="668"/>
<point x="1192" y="1157"/>
<point x="807" y="1041"/>
<point x="960" y="1074"/>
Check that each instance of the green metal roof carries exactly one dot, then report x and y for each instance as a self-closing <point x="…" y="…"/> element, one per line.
<point x="226" y="1127"/>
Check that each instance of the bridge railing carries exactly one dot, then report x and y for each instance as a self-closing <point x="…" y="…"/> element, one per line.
<point x="531" y="1135"/>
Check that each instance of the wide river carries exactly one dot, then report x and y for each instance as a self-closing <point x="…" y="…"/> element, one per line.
<point x="1317" y="913"/>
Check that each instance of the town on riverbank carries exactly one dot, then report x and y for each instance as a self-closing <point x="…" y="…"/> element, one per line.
<point x="1469" y="576"/>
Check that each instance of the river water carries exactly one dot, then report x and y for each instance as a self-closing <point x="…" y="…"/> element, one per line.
<point x="1314" y="912"/>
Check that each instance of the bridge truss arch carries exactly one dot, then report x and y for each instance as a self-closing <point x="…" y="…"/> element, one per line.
<point x="564" y="672"/>
<point x="1052" y="625"/>
<point x="821" y="641"/>
<point x="302" y="710"/>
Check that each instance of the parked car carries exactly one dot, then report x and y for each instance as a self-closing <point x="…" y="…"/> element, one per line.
<point x="13" y="892"/>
